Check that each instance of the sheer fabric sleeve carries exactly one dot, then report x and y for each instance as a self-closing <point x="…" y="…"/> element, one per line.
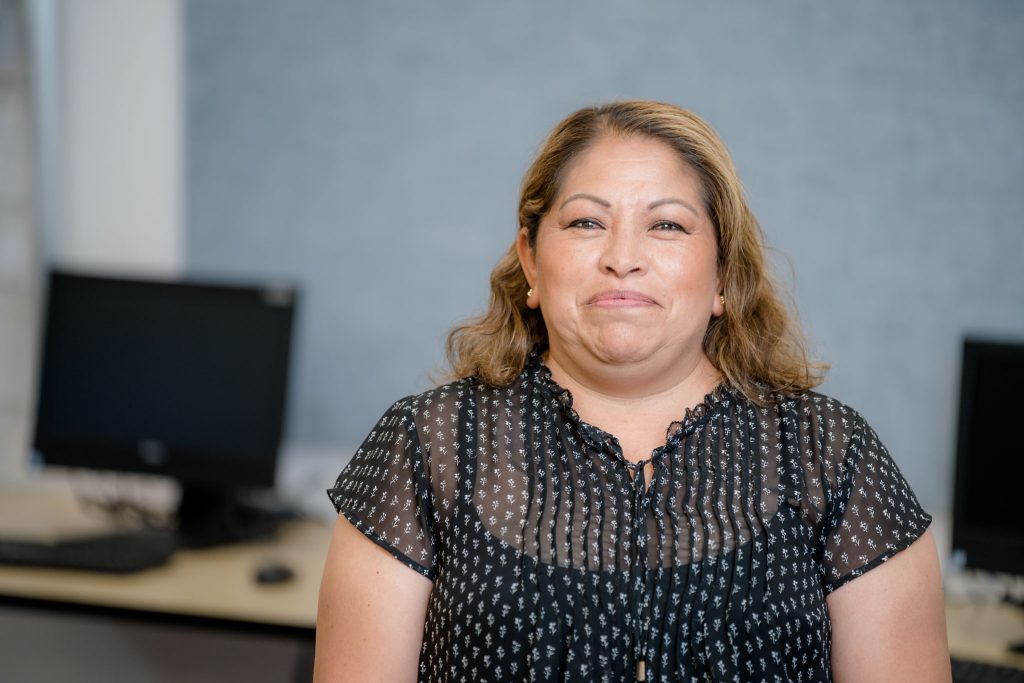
<point x="873" y="513"/>
<point x="385" y="491"/>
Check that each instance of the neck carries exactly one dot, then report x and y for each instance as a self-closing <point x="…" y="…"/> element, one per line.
<point x="610" y="395"/>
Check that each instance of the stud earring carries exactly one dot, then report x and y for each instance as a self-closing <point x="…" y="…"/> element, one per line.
<point x="722" y="297"/>
<point x="529" y="293"/>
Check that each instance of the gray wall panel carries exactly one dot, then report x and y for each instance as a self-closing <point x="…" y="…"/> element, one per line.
<point x="372" y="151"/>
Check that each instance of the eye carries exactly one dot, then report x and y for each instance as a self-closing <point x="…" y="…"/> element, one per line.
<point x="669" y="226"/>
<point x="585" y="224"/>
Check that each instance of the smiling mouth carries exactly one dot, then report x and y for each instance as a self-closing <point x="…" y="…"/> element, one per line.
<point x="620" y="299"/>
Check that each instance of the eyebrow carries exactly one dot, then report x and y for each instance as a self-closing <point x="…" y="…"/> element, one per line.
<point x="583" y="195"/>
<point x="653" y="205"/>
<point x="673" y="200"/>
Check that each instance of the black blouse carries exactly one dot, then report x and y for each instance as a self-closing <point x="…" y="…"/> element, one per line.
<point x="554" y="560"/>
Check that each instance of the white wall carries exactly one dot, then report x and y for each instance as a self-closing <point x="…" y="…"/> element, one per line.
<point x="96" y="85"/>
<point x="17" y="246"/>
<point x="121" y="189"/>
<point x="107" y="116"/>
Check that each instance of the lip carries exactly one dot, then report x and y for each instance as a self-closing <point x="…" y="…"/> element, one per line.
<point x="620" y="298"/>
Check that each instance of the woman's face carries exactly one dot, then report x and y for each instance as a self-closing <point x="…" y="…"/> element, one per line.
<point x="624" y="268"/>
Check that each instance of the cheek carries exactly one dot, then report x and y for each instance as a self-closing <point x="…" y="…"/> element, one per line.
<point x="690" y="271"/>
<point x="693" y="288"/>
<point x="561" y="270"/>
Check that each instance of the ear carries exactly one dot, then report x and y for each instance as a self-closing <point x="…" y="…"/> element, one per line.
<point x="528" y="262"/>
<point x="717" y="306"/>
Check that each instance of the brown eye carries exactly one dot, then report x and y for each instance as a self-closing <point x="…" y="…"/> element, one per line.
<point x="585" y="223"/>
<point x="669" y="226"/>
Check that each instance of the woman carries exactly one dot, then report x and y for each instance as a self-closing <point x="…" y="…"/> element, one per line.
<point x="546" y="524"/>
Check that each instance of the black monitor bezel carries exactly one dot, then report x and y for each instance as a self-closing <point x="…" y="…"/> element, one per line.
<point x="980" y="547"/>
<point x="258" y="471"/>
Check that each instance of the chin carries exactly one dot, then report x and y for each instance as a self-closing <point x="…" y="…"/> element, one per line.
<point x="622" y="349"/>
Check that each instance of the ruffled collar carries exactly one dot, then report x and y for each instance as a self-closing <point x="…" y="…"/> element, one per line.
<point x="692" y="418"/>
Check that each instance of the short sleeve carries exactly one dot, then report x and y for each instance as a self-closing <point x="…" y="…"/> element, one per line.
<point x="384" y="491"/>
<point x="873" y="513"/>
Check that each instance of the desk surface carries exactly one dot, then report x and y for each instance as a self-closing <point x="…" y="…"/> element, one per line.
<point x="218" y="583"/>
<point x="214" y="583"/>
<point x="983" y="631"/>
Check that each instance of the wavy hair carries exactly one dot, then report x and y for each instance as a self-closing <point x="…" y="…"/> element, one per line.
<point x="757" y="344"/>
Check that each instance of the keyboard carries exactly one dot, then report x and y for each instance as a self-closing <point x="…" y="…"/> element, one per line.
<point x="119" y="553"/>
<point x="966" y="671"/>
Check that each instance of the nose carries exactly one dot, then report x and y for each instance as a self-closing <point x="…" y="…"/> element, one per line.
<point x="622" y="253"/>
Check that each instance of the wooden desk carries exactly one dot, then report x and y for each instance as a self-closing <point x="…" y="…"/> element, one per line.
<point x="213" y="585"/>
<point x="982" y="632"/>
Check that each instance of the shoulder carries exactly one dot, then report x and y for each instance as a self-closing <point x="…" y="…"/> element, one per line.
<point x="434" y="416"/>
<point x="829" y="431"/>
<point x="444" y="396"/>
<point x="447" y="398"/>
<point x="468" y="396"/>
<point x="817" y="412"/>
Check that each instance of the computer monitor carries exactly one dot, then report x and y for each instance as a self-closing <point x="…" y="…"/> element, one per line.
<point x="988" y="517"/>
<point x="176" y="378"/>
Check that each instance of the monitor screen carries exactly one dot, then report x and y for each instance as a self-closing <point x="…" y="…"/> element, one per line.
<point x="988" y="519"/>
<point x="174" y="378"/>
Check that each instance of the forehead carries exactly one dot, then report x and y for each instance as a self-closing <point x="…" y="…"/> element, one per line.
<point x="629" y="163"/>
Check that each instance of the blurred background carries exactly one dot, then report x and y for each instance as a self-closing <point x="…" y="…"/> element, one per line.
<point x="370" y="152"/>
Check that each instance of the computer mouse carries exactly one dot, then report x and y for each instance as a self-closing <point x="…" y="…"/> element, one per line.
<point x="274" y="572"/>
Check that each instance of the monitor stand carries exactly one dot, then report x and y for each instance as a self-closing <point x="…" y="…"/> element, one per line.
<point x="216" y="515"/>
